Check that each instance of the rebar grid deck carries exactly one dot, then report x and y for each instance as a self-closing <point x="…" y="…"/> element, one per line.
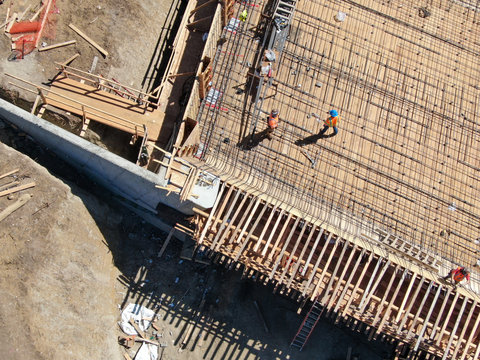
<point x="405" y="158"/>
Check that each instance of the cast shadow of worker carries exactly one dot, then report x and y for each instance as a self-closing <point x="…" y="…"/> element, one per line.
<point x="312" y="139"/>
<point x="251" y="141"/>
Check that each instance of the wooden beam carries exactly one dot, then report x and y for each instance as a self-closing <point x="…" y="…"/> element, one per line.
<point x="55" y="46"/>
<point x="344" y="271"/>
<point x="250" y="212"/>
<point x="167" y="241"/>
<point x="440" y="314"/>
<point x="70" y="59"/>
<point x="249" y="235"/>
<point x="320" y="256"/>
<point x="207" y="224"/>
<point x="470" y="338"/>
<point x="279" y="237"/>
<point x="446" y="320"/>
<point x="334" y="273"/>
<point x="22" y="200"/>
<point x="427" y="318"/>
<point x="202" y="6"/>
<point x="359" y="281"/>
<point x="225" y="220"/>
<point x="374" y="287"/>
<point x="231" y="221"/>
<point x="382" y="302"/>
<point x="17" y="188"/>
<point x="292" y="253"/>
<point x="419" y="309"/>
<point x="300" y="257"/>
<point x="454" y="330"/>
<point x="88" y="39"/>
<point x="405" y="298"/>
<point x="8" y="173"/>
<point x="314" y="247"/>
<point x="287" y="241"/>
<point x="325" y="269"/>
<point x="265" y="227"/>
<point x="410" y="305"/>
<point x="386" y="316"/>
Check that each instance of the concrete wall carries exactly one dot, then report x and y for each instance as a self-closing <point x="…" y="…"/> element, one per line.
<point x="111" y="171"/>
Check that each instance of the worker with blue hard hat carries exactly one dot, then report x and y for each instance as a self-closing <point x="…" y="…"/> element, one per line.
<point x="331" y="121"/>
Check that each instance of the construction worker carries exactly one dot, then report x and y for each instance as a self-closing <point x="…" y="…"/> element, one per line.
<point x="331" y="121"/>
<point x="457" y="275"/>
<point x="243" y="16"/>
<point x="272" y="123"/>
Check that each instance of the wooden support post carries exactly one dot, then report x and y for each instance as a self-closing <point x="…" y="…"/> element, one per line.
<point x="314" y="248"/>
<point x="273" y="232"/>
<point x="471" y="336"/>
<point x="207" y="224"/>
<point x="454" y="330"/>
<point x="374" y="287"/>
<point x="218" y="219"/>
<point x="287" y="241"/>
<point x="334" y="273"/>
<point x="231" y="222"/>
<point x="324" y="270"/>
<point x="427" y="318"/>
<point x="386" y="316"/>
<point x="265" y="227"/>
<point x="344" y="271"/>
<point x="359" y="281"/>
<point x="419" y="310"/>
<point x="382" y="302"/>
<point x="405" y="298"/>
<point x="320" y="256"/>
<point x="370" y="281"/>
<point x="446" y="320"/>
<point x="300" y="257"/>
<point x="440" y="314"/>
<point x="245" y="242"/>
<point x="410" y="305"/>
<point x="226" y="219"/>
<point x="250" y="212"/>
<point x="40" y="92"/>
<point x="292" y="253"/>
<point x="279" y="237"/>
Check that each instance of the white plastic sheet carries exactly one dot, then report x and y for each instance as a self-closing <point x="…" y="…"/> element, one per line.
<point x="140" y="314"/>
<point x="147" y="352"/>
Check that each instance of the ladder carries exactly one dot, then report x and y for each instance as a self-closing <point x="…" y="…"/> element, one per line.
<point x="308" y="324"/>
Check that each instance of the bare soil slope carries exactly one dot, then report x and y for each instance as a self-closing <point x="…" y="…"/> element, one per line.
<point x="57" y="275"/>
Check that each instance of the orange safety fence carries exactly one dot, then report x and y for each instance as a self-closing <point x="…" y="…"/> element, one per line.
<point x="32" y="32"/>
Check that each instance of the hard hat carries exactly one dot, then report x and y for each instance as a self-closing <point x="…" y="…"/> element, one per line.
<point x="274" y="112"/>
<point x="333" y="113"/>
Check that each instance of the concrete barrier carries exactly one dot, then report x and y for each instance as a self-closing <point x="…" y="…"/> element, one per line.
<point x="111" y="171"/>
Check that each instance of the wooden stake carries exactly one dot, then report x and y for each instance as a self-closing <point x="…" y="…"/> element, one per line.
<point x="66" y="43"/>
<point x="88" y="39"/>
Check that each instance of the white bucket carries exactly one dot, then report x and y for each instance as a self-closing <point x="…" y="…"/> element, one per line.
<point x="340" y="17"/>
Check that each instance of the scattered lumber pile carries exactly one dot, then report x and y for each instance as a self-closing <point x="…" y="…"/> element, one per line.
<point x="10" y="184"/>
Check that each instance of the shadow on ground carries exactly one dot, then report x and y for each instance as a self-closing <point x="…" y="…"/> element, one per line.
<point x="204" y="311"/>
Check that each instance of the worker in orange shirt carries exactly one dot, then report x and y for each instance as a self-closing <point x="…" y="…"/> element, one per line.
<point x="457" y="275"/>
<point x="331" y="121"/>
<point x="272" y="123"/>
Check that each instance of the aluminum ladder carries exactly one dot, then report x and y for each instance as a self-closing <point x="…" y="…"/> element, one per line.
<point x="308" y="324"/>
